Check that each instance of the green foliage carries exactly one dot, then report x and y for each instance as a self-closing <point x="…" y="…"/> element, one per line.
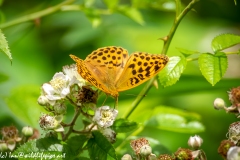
<point x="132" y="13"/>
<point x="3" y="77"/>
<point x="173" y="70"/>
<point x="76" y="143"/>
<point x="111" y="4"/>
<point x="213" y="66"/>
<point x="124" y="125"/>
<point x="4" y="48"/>
<point x="224" y="41"/>
<point x="100" y="148"/>
<point x="176" y="120"/>
<point x="23" y="103"/>
<point x="44" y="147"/>
<point x="186" y="52"/>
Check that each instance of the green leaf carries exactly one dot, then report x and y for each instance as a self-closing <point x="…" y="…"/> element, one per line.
<point x="132" y="13"/>
<point x="124" y="125"/>
<point x="224" y="41"/>
<point x="4" y="46"/>
<point x="176" y="120"/>
<point x="213" y="66"/>
<point x="76" y="143"/>
<point x="186" y="52"/>
<point x="3" y="77"/>
<point x="111" y="4"/>
<point x="93" y="16"/>
<point x="172" y="72"/>
<point x="43" y="147"/>
<point x="99" y="147"/>
<point x="235" y="2"/>
<point x="23" y="103"/>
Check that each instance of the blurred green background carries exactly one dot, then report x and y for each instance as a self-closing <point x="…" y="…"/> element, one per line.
<point x="41" y="47"/>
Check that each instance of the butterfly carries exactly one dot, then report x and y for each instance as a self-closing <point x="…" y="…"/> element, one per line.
<point x="112" y="70"/>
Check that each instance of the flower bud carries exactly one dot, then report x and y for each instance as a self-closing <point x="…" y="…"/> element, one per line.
<point x="165" y="157"/>
<point x="152" y="157"/>
<point x="234" y="132"/>
<point x="219" y="104"/>
<point x="224" y="147"/>
<point x="233" y="153"/>
<point x="145" y="150"/>
<point x="3" y="146"/>
<point x="183" y="153"/>
<point x="195" y="142"/>
<point x="27" y="131"/>
<point x="126" y="157"/>
<point x="43" y="101"/>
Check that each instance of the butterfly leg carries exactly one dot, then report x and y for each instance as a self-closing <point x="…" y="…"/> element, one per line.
<point x="105" y="100"/>
<point x="116" y="103"/>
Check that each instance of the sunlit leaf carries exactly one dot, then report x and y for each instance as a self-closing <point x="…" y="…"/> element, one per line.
<point x="224" y="41"/>
<point x="4" y="46"/>
<point x="23" y="103"/>
<point x="111" y="3"/>
<point x="175" y="120"/>
<point x="132" y="13"/>
<point x="172" y="72"/>
<point x="100" y="148"/>
<point x="186" y="52"/>
<point x="124" y="125"/>
<point x="213" y="66"/>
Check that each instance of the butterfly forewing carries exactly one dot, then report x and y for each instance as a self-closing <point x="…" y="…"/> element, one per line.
<point x="107" y="65"/>
<point x="86" y="74"/>
<point x="139" y="68"/>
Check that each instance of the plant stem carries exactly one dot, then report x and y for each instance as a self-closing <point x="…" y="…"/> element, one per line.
<point x="140" y="96"/>
<point x="77" y="113"/>
<point x="167" y="41"/>
<point x="35" y="15"/>
<point x="177" y="20"/>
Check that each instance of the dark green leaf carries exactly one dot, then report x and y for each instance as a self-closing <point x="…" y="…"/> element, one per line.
<point x="172" y="72"/>
<point x="186" y="52"/>
<point x="3" y="77"/>
<point x="23" y="103"/>
<point x="176" y="120"/>
<point x="4" y="46"/>
<point x="111" y="4"/>
<point x="99" y="147"/>
<point x="132" y="13"/>
<point x="224" y="41"/>
<point x="124" y="125"/>
<point x="76" y="143"/>
<point x="45" y="146"/>
<point x="213" y="66"/>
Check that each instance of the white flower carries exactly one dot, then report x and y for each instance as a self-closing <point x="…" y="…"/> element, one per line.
<point x="57" y="88"/>
<point x="104" y="116"/>
<point x="75" y="78"/>
<point x="233" y="153"/>
<point x="48" y="122"/>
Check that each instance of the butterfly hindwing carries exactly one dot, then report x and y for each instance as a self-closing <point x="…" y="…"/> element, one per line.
<point x="140" y="67"/>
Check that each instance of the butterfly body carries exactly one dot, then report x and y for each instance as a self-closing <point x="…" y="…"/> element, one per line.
<point x="112" y="70"/>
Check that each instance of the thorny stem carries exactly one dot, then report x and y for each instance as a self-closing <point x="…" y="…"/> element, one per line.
<point x="167" y="42"/>
<point x="36" y="15"/>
